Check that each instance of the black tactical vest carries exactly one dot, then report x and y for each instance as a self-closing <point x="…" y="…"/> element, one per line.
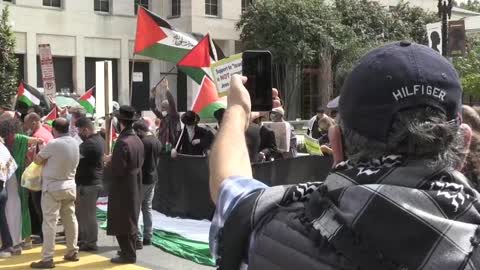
<point x="285" y="239"/>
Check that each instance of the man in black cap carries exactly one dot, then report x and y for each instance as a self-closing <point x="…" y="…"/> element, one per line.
<point x="125" y="194"/>
<point x="395" y="199"/>
<point x="152" y="149"/>
<point x="195" y="140"/>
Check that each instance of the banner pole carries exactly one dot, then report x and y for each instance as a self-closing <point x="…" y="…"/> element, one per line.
<point x="131" y="78"/>
<point x="108" y="134"/>
<point x="164" y="77"/>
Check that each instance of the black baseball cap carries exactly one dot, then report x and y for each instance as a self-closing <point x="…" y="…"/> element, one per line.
<point x="398" y="76"/>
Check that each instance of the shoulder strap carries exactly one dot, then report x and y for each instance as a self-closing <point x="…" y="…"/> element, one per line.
<point x="345" y="240"/>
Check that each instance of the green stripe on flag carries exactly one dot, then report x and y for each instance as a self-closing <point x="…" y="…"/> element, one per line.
<point x="178" y="245"/>
<point x="165" y="52"/>
<point x="195" y="74"/>
<point x="25" y="100"/>
<point x="198" y="252"/>
<point x="207" y="112"/>
<point x="88" y="107"/>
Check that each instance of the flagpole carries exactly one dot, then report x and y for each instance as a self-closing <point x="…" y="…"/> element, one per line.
<point x="167" y="73"/>
<point x="131" y="76"/>
<point x="108" y="119"/>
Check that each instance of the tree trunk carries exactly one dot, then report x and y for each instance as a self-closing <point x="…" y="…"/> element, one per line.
<point x="325" y="83"/>
<point x="287" y="79"/>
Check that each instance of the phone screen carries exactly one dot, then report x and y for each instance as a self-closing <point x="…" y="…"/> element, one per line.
<point x="257" y="67"/>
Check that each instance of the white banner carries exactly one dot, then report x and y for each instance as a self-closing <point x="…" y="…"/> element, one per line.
<point x="48" y="73"/>
<point x="100" y="109"/>
<point x="223" y="70"/>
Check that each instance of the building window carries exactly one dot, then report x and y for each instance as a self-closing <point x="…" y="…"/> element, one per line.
<point x="101" y="5"/>
<point x="245" y="4"/>
<point x="143" y="3"/>
<point x="8" y="1"/>
<point x="176" y="12"/>
<point x="52" y="3"/>
<point x="211" y="7"/>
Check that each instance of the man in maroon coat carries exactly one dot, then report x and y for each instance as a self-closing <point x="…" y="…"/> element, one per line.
<point x="125" y="192"/>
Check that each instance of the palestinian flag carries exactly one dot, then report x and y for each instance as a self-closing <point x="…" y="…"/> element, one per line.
<point x="28" y="95"/>
<point x="207" y="100"/>
<point x="88" y="101"/>
<point x="198" y="61"/>
<point x="156" y="38"/>
<point x="51" y="116"/>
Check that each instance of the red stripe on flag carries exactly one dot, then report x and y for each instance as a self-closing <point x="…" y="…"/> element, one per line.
<point x="21" y="90"/>
<point x="148" y="31"/>
<point x="199" y="56"/>
<point x="87" y="95"/>
<point x="206" y="95"/>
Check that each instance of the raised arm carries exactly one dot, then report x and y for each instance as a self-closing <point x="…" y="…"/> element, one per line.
<point x="224" y="162"/>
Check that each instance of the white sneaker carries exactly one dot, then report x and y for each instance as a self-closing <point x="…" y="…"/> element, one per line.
<point x="5" y="254"/>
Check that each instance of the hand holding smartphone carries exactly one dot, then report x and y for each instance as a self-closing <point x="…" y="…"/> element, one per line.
<point x="257" y="67"/>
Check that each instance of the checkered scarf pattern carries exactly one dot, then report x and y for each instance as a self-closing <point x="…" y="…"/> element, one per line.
<point x="413" y="214"/>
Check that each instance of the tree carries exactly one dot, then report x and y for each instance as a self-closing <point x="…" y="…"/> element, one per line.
<point x="331" y="35"/>
<point x="8" y="62"/>
<point x="471" y="5"/>
<point x="297" y="33"/>
<point x="469" y="66"/>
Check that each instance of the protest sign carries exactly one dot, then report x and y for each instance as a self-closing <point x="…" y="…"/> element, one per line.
<point x="46" y="66"/>
<point x="312" y="145"/>
<point x="223" y="70"/>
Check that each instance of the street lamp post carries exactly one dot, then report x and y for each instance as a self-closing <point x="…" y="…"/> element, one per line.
<point x="444" y="10"/>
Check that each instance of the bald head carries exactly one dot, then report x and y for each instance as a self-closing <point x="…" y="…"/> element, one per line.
<point x="60" y="127"/>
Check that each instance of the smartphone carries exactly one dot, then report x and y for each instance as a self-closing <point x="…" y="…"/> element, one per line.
<point x="257" y="67"/>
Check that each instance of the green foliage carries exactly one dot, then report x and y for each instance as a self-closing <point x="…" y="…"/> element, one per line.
<point x="295" y="31"/>
<point x="468" y="67"/>
<point x="471" y="5"/>
<point x="374" y="25"/>
<point x="8" y="62"/>
<point x="334" y="32"/>
<point x="300" y="31"/>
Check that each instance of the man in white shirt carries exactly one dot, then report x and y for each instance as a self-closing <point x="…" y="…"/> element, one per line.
<point x="60" y="159"/>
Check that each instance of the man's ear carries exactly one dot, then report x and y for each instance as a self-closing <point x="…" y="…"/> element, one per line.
<point x="466" y="132"/>
<point x="336" y="140"/>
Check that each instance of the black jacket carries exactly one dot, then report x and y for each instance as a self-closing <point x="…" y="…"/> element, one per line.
<point x="90" y="167"/>
<point x="206" y="139"/>
<point x="152" y="148"/>
<point x="260" y="139"/>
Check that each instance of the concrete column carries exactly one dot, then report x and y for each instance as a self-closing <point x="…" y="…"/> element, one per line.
<point x="156" y="68"/>
<point x="123" y="68"/>
<point x="79" y="66"/>
<point x="229" y="47"/>
<point x="31" y="55"/>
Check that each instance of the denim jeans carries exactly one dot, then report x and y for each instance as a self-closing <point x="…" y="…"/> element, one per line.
<point x="148" y="193"/>
<point x="4" y="231"/>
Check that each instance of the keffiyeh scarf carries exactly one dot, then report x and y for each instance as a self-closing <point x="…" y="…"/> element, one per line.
<point x="407" y="214"/>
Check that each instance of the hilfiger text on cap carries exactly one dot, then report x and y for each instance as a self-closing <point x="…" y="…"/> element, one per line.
<point x="419" y="90"/>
